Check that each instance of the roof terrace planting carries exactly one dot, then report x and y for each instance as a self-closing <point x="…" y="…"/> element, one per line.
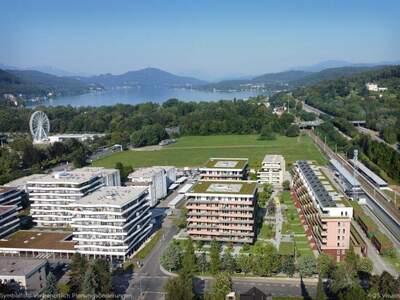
<point x="224" y="187"/>
<point x="226" y="163"/>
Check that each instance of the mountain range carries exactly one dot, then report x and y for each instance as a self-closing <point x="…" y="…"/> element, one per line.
<point x="37" y="83"/>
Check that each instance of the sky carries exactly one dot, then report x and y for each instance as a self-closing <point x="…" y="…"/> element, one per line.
<point x="209" y="39"/>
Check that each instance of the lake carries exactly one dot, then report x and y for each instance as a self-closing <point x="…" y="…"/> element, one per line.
<point x="140" y="95"/>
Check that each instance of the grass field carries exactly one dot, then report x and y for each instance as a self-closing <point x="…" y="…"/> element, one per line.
<point x="292" y="225"/>
<point x="195" y="150"/>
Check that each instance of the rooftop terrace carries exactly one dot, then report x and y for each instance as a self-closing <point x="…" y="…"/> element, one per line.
<point x="74" y="177"/>
<point x="224" y="187"/>
<point x="112" y="196"/>
<point x="226" y="163"/>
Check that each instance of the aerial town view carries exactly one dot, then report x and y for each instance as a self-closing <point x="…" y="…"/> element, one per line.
<point x="199" y="150"/>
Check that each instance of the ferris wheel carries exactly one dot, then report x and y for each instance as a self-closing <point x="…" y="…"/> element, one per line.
<point x="39" y="125"/>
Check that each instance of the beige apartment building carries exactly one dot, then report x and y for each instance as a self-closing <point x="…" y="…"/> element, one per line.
<point x="225" y="169"/>
<point x="324" y="211"/>
<point x="272" y="170"/>
<point x="222" y="210"/>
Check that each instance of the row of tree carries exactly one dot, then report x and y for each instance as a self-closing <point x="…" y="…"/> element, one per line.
<point x="261" y="260"/>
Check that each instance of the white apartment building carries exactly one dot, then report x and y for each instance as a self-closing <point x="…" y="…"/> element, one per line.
<point x="111" y="222"/>
<point x="154" y="179"/>
<point x="111" y="177"/>
<point x="27" y="275"/>
<point x="225" y="169"/>
<point x="170" y="173"/>
<point x="9" y="221"/>
<point x="272" y="170"/>
<point x="373" y="87"/>
<point x="52" y="195"/>
<point x="11" y="196"/>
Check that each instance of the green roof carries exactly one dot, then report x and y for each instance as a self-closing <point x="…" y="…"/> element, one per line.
<point x="368" y="222"/>
<point x="225" y="187"/>
<point x="240" y="163"/>
<point x="286" y="248"/>
<point x="383" y="239"/>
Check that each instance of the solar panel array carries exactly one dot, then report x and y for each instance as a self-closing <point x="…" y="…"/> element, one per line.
<point x="321" y="194"/>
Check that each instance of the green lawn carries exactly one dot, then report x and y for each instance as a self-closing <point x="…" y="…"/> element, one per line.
<point x="196" y="150"/>
<point x="266" y="232"/>
<point x="146" y="250"/>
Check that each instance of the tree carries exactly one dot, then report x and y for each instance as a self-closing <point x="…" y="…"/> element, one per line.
<point x="124" y="171"/>
<point x="365" y="265"/>
<point x="306" y="265"/>
<point x="78" y="157"/>
<point x="202" y="262"/>
<point x="50" y="290"/>
<point x="189" y="259"/>
<point x="343" y="278"/>
<point x="286" y="185"/>
<point x="228" y="261"/>
<point x="320" y="295"/>
<point x="387" y="285"/>
<point x="325" y="265"/>
<point x="215" y="260"/>
<point x="78" y="268"/>
<point x="292" y="131"/>
<point x="287" y="265"/>
<point x="354" y="292"/>
<point x="175" y="289"/>
<point x="102" y="268"/>
<point x="221" y="287"/>
<point x="90" y="285"/>
<point x="265" y="260"/>
<point x="171" y="259"/>
<point x="243" y="263"/>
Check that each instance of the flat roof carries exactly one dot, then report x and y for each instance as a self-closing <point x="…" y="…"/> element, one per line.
<point x="112" y="196"/>
<point x="19" y="266"/>
<point x="273" y="158"/>
<point x="224" y="187"/>
<point x="145" y="172"/>
<point x="75" y="176"/>
<point x="323" y="197"/>
<point x="226" y="163"/>
<point x="346" y="174"/>
<point x="176" y="200"/>
<point x="98" y="170"/>
<point x="22" y="181"/>
<point x="35" y="239"/>
<point x="378" y="180"/>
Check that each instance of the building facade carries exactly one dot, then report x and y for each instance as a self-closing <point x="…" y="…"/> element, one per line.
<point x="11" y="196"/>
<point x="327" y="215"/>
<point x="154" y="178"/>
<point x="272" y="170"/>
<point x="23" y="275"/>
<point x="9" y="221"/>
<point x="52" y="195"/>
<point x="110" y="177"/>
<point x="111" y="222"/>
<point x="225" y="169"/>
<point x="222" y="210"/>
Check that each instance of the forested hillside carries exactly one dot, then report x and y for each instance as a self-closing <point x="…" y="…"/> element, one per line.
<point x="349" y="98"/>
<point x="36" y="84"/>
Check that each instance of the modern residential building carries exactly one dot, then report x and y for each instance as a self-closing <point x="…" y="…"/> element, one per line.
<point x="225" y="169"/>
<point x="11" y="196"/>
<point x="111" y="222"/>
<point x="324" y="211"/>
<point x="52" y="195"/>
<point x="154" y="179"/>
<point x="222" y="210"/>
<point x="23" y="275"/>
<point x="170" y="173"/>
<point x="9" y="222"/>
<point x="111" y="177"/>
<point x="272" y="170"/>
